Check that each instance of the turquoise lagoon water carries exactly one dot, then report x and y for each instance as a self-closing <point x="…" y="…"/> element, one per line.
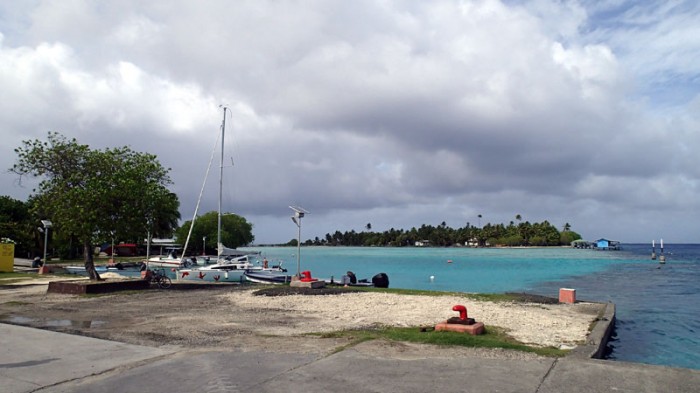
<point x="488" y="270"/>
<point x="658" y="307"/>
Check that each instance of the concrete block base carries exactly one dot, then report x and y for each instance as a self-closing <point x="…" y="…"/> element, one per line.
<point x="307" y="284"/>
<point x="567" y="295"/>
<point x="477" y="328"/>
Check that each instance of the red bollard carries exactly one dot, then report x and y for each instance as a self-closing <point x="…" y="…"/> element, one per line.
<point x="462" y="311"/>
<point x="461" y="324"/>
<point x="306" y="276"/>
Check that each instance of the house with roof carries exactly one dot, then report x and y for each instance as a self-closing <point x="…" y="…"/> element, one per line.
<point x="605" y="244"/>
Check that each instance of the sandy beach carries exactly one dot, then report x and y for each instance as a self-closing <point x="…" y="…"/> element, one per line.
<point x="236" y="316"/>
<point x="558" y="325"/>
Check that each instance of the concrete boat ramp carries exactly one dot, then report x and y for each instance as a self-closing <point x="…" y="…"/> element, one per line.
<point x="35" y="360"/>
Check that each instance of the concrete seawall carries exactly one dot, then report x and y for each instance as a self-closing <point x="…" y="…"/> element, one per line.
<point x="597" y="340"/>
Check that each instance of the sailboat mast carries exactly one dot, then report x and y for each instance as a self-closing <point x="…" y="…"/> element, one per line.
<point x="221" y="186"/>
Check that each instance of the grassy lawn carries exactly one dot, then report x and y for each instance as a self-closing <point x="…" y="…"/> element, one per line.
<point x="12" y="277"/>
<point x="492" y="338"/>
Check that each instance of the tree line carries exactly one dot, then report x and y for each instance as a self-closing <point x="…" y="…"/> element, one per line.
<point x="93" y="196"/>
<point x="96" y="197"/>
<point x="523" y="234"/>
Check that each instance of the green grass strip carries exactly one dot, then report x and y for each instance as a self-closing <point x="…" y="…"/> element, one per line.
<point x="493" y="337"/>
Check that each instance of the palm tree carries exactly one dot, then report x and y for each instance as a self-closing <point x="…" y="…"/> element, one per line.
<point x="368" y="227"/>
<point x="518" y="217"/>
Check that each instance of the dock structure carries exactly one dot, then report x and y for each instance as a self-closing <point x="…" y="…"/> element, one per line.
<point x="580" y="243"/>
<point x="600" y="244"/>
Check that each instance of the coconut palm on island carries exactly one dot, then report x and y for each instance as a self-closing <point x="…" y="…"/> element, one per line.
<point x="524" y="234"/>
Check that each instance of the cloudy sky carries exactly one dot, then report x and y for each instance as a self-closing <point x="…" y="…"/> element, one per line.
<point x="394" y="113"/>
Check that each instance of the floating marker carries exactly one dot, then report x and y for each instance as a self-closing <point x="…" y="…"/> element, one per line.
<point x="662" y="257"/>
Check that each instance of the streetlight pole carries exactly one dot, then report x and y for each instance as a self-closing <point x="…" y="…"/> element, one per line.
<point x="204" y="245"/>
<point x="298" y="214"/>
<point x="47" y="224"/>
<point x="299" y="248"/>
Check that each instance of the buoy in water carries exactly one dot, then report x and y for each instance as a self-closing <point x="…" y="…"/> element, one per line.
<point x="432" y="278"/>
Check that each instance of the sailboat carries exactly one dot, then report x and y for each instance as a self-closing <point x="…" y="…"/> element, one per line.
<point x="229" y="263"/>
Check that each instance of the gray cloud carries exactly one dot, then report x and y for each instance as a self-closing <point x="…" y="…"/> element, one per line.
<point x="395" y="114"/>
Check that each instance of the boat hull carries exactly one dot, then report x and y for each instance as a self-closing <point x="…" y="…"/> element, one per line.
<point x="209" y="275"/>
<point x="163" y="263"/>
<point x="267" y="277"/>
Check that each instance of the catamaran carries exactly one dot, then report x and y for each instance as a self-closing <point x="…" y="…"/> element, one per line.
<point x="229" y="263"/>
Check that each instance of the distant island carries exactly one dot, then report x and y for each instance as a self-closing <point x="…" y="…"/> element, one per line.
<point x="523" y="234"/>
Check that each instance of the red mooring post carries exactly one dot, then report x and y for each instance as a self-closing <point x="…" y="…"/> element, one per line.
<point x="462" y="311"/>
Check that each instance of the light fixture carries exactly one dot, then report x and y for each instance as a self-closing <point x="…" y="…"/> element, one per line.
<point x="298" y="214"/>
<point x="47" y="224"/>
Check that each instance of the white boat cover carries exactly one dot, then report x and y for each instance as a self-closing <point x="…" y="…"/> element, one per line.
<point x="225" y="251"/>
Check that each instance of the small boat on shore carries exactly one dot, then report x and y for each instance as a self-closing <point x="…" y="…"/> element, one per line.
<point x="267" y="277"/>
<point x="167" y="261"/>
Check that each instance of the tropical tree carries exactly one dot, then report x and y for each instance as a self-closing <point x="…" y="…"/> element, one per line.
<point x="235" y="230"/>
<point x="92" y="194"/>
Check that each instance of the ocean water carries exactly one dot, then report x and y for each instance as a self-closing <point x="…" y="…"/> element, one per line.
<point x="658" y="306"/>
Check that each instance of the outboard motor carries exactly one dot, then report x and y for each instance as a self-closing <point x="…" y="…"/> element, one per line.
<point x="381" y="280"/>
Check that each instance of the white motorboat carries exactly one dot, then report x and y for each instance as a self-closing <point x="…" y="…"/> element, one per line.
<point x="267" y="277"/>
<point x="167" y="261"/>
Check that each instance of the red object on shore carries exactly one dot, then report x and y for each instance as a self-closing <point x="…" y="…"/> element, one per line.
<point x="306" y="276"/>
<point x="462" y="311"/>
<point x="475" y="329"/>
<point x="567" y="295"/>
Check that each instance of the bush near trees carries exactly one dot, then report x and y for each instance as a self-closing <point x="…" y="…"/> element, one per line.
<point x="16" y="224"/>
<point x="235" y="232"/>
<point x="521" y="235"/>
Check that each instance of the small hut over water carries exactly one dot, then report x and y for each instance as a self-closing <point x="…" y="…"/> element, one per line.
<point x="600" y="244"/>
<point x="605" y="244"/>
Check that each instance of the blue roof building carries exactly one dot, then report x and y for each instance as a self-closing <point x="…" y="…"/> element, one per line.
<point x="605" y="244"/>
